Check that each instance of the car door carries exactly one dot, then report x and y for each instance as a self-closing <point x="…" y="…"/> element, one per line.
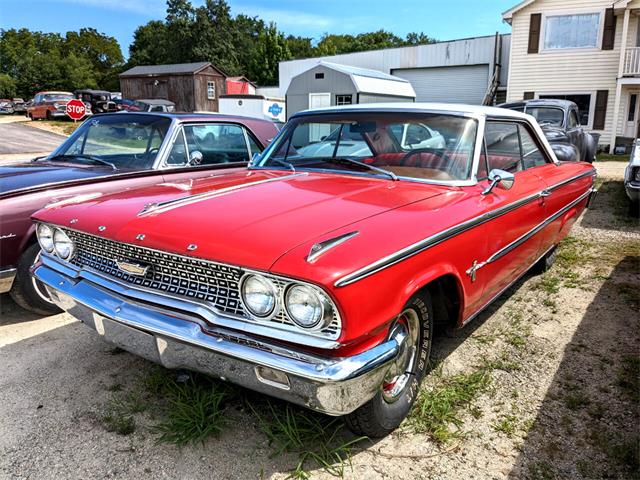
<point x="514" y="212"/>
<point x="574" y="131"/>
<point x="36" y="107"/>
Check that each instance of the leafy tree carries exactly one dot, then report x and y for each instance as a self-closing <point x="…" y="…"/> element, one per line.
<point x="149" y="45"/>
<point x="7" y="86"/>
<point x="271" y="48"/>
<point x="301" y="47"/>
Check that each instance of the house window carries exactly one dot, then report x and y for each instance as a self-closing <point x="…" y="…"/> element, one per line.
<point x="319" y="76"/>
<point x="211" y="90"/>
<point x="343" y="100"/>
<point x="583" y="101"/>
<point x="571" y="31"/>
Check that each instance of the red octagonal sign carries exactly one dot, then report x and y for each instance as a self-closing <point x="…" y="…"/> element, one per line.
<point x="76" y="109"/>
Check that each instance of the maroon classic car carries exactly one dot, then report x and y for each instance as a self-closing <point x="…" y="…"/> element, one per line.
<point x="317" y="274"/>
<point x="112" y="153"/>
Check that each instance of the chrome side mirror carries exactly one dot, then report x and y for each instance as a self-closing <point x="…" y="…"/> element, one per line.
<point x="195" y="157"/>
<point x="499" y="178"/>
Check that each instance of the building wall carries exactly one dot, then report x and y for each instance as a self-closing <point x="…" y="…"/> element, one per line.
<point x="335" y="83"/>
<point x="472" y="51"/>
<point x="370" y="98"/>
<point x="565" y="71"/>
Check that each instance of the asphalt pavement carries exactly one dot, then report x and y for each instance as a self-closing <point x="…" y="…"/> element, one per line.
<point x="18" y="138"/>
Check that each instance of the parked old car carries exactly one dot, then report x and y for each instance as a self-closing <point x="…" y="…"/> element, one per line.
<point x="51" y="105"/>
<point x="19" y="106"/>
<point x="319" y="278"/>
<point x="632" y="179"/>
<point x="150" y="105"/>
<point x="6" y="106"/>
<point x="560" y="122"/>
<point x="109" y="153"/>
<point x="100" y="100"/>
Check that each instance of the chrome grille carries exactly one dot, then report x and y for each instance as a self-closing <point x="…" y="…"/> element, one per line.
<point x="211" y="283"/>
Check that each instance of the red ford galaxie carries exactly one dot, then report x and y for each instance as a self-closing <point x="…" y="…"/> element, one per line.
<point x="316" y="274"/>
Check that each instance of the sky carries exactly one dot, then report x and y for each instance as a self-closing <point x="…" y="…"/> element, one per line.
<point x="443" y="20"/>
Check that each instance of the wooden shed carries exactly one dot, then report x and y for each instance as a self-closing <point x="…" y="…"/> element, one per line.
<point x="191" y="86"/>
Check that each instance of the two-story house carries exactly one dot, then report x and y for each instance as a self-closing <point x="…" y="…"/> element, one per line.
<point x="586" y="51"/>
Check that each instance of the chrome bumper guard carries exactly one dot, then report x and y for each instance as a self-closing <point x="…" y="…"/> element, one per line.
<point x="334" y="386"/>
<point x="6" y="279"/>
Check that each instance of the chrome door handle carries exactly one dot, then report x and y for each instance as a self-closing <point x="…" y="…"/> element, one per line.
<point x="545" y="193"/>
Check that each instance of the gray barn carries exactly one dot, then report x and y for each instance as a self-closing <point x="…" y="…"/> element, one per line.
<point x="328" y="84"/>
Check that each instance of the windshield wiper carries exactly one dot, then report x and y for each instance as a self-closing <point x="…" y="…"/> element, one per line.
<point x="284" y="163"/>
<point x="84" y="157"/>
<point x="351" y="161"/>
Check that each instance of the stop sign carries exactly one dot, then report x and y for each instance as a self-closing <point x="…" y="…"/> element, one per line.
<point x="75" y="109"/>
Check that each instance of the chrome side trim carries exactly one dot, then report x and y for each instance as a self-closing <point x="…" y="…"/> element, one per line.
<point x="520" y="240"/>
<point x="321" y="248"/>
<point x="178" y="202"/>
<point x="497" y="295"/>
<point x="6" y="279"/>
<point x="440" y="237"/>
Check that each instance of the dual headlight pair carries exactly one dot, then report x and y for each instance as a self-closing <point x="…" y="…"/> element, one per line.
<point x="307" y="307"/>
<point x="54" y="240"/>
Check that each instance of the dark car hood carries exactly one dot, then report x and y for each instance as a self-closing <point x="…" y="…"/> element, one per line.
<point x="29" y="175"/>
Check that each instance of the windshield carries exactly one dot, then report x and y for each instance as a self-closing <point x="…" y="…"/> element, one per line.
<point x="547" y="115"/>
<point x="56" y="97"/>
<point x="430" y="146"/>
<point x="120" y="140"/>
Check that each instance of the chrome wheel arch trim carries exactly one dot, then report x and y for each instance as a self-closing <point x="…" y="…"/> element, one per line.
<point x="450" y="232"/>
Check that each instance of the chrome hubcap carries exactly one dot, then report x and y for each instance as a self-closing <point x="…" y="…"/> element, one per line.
<point x="39" y="287"/>
<point x="405" y="332"/>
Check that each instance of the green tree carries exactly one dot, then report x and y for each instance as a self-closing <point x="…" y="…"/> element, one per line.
<point x="271" y="49"/>
<point x="300" y="47"/>
<point x="149" y="46"/>
<point x="7" y="86"/>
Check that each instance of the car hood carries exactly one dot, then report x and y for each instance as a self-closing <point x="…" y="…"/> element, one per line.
<point x="248" y="218"/>
<point x="29" y="175"/>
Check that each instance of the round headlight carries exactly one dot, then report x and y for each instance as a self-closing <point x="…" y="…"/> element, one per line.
<point x="62" y="244"/>
<point x="304" y="306"/>
<point x="45" y="237"/>
<point x="259" y="295"/>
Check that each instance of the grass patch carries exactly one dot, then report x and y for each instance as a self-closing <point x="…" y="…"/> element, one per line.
<point x="629" y="377"/>
<point x="541" y="470"/>
<point x="57" y="126"/>
<point x="576" y="400"/>
<point x="550" y="284"/>
<point x="318" y="440"/>
<point x="507" y="425"/>
<point x="194" y="410"/>
<point x="625" y="453"/>
<point x="608" y="157"/>
<point x="437" y="408"/>
<point x="117" y="418"/>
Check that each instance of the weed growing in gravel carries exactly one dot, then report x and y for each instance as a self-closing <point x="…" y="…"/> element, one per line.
<point x="117" y="418"/>
<point x="314" y="438"/>
<point x="549" y="283"/>
<point x="194" y="410"/>
<point x="541" y="470"/>
<point x="508" y="425"/>
<point x="629" y="377"/>
<point x="576" y="400"/>
<point x="438" y="407"/>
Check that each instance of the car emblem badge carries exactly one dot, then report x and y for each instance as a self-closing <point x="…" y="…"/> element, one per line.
<point x="132" y="268"/>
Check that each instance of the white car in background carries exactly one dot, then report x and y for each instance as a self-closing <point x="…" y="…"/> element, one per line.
<point x="410" y="136"/>
<point x="632" y="178"/>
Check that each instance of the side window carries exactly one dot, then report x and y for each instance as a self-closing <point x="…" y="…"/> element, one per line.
<point x="503" y="146"/>
<point x="573" y="119"/>
<point x="253" y="145"/>
<point x="218" y="143"/>
<point x="531" y="154"/>
<point x="178" y="153"/>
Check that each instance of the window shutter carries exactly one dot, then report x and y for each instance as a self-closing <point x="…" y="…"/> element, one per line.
<point x="601" y="109"/>
<point x="534" y="32"/>
<point x="609" y="34"/>
<point x="528" y="96"/>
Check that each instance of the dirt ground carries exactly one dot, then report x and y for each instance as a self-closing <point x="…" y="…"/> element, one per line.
<point x="559" y="355"/>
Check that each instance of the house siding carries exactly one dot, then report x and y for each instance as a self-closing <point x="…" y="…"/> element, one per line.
<point x="566" y="71"/>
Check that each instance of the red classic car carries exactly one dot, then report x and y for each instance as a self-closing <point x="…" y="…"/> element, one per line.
<point x="316" y="275"/>
<point x="112" y="153"/>
<point x="51" y="105"/>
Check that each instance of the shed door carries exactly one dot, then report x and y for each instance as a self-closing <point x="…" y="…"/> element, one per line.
<point x="317" y="131"/>
<point x="461" y="84"/>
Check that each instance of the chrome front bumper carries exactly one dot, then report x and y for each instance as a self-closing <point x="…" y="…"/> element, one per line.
<point x="6" y="279"/>
<point x="335" y="386"/>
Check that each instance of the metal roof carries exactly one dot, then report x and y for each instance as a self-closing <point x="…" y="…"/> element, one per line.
<point x="362" y="72"/>
<point x="174" y="68"/>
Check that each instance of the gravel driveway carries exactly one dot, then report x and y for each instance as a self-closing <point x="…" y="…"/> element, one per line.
<point x="19" y="140"/>
<point x="560" y="400"/>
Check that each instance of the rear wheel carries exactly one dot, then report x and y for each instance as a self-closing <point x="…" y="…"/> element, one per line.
<point x="391" y="404"/>
<point x="28" y="292"/>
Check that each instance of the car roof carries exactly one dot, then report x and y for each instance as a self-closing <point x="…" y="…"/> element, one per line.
<point x="556" y="102"/>
<point x="47" y="92"/>
<point x="192" y="117"/>
<point x="476" y="110"/>
<point x="155" y="101"/>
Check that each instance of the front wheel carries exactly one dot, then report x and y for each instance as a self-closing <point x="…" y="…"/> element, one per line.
<point x="385" y="412"/>
<point x="28" y="292"/>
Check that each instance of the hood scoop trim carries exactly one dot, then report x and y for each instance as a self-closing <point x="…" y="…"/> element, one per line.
<point x="162" y="207"/>
<point x="321" y="248"/>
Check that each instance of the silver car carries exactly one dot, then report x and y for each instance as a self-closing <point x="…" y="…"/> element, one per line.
<point x="632" y="177"/>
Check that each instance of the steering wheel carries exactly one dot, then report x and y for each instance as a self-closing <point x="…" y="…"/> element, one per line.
<point x="151" y="153"/>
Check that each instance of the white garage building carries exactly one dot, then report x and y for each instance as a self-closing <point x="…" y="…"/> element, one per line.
<point x="460" y="71"/>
